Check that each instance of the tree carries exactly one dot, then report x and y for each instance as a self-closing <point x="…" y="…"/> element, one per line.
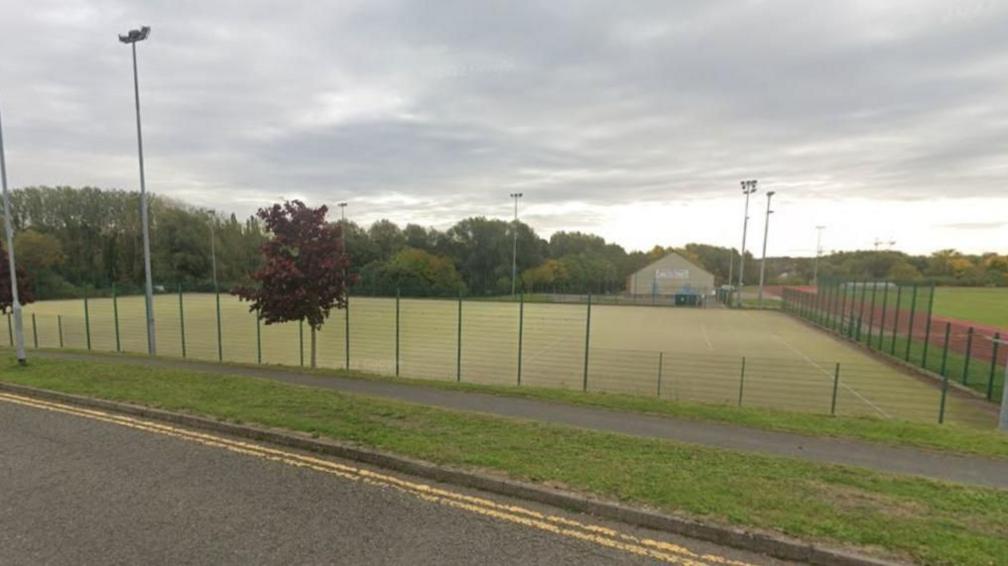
<point x="387" y="238"/>
<point x="37" y="251"/>
<point x="304" y="269"/>
<point x="26" y="292"/>
<point x="547" y="276"/>
<point x="903" y="271"/>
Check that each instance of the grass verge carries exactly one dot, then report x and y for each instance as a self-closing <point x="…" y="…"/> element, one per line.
<point x="902" y="517"/>
<point x="950" y="438"/>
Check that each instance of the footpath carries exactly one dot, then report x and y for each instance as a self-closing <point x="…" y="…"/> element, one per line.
<point x="964" y="469"/>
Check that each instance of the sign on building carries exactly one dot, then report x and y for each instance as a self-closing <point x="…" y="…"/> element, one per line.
<point x="677" y="273"/>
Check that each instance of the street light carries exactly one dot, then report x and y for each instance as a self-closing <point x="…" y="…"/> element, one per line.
<point x="342" y="232"/>
<point x="131" y="39"/>
<point x="9" y="231"/>
<point x="514" y="248"/>
<point x="818" y="252"/>
<point x="748" y="188"/>
<point x="766" y="230"/>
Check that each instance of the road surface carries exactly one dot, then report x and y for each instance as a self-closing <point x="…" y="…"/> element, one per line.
<point x="79" y="486"/>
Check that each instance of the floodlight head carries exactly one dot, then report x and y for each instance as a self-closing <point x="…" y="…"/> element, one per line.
<point x="517" y="195"/>
<point x="341" y="204"/>
<point x="135" y="35"/>
<point x="771" y="193"/>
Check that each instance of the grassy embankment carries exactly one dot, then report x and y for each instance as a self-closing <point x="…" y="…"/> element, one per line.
<point x="903" y="517"/>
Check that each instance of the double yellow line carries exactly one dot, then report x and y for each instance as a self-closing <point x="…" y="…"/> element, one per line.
<point x="558" y="525"/>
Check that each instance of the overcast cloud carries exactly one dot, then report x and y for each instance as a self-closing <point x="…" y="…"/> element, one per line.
<point x="633" y="120"/>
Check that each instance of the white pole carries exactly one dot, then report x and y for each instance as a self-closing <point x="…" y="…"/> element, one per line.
<point x="818" y="251"/>
<point x="9" y="232"/>
<point x="514" y="249"/>
<point x="213" y="252"/>
<point x="748" y="187"/>
<point x="766" y="230"/>
<point x="148" y="286"/>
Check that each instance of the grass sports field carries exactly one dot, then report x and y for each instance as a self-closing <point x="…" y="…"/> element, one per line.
<point x="674" y="353"/>
<point x="985" y="305"/>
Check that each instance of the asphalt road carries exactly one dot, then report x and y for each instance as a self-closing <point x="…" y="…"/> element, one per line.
<point x="97" y="488"/>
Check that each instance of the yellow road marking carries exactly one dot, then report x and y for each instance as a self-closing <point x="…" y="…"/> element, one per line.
<point x="597" y="534"/>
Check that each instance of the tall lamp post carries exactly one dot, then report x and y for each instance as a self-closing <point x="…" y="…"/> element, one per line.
<point x="766" y="230"/>
<point x="342" y="222"/>
<point x="132" y="38"/>
<point x="514" y="247"/>
<point x="342" y="232"/>
<point x="9" y="232"/>
<point x="818" y="252"/>
<point x="748" y="188"/>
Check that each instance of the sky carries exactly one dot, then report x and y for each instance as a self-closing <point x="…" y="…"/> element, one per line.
<point x="882" y="121"/>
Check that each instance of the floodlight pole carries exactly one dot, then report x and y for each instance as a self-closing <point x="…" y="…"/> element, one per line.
<point x="748" y="188"/>
<point x="11" y="264"/>
<point x="342" y="233"/>
<point x="818" y="251"/>
<point x="132" y="38"/>
<point x="342" y="222"/>
<point x="514" y="248"/>
<point x="213" y="253"/>
<point x="766" y="230"/>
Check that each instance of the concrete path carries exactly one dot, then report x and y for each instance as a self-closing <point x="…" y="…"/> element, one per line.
<point x="975" y="470"/>
<point x="86" y="487"/>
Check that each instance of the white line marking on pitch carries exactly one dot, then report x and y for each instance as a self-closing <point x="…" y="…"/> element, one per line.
<point x="703" y="329"/>
<point x="830" y="376"/>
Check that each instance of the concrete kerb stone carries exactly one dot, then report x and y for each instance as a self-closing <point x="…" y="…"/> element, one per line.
<point x="777" y="546"/>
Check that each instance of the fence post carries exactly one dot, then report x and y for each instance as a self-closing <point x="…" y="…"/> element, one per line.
<point x="948" y="331"/>
<point x="836" y="303"/>
<point x="10" y="330"/>
<point x="220" y="342"/>
<point x="584" y="383"/>
<point x="521" y="328"/>
<point x="87" y="321"/>
<point x="181" y="315"/>
<point x="895" y="329"/>
<point x="458" y="347"/>
<point x="944" y="374"/>
<point x="741" y="383"/>
<point x="969" y="351"/>
<point x="836" y="384"/>
<point x="843" y="309"/>
<point x="258" y="337"/>
<point x="885" y="308"/>
<point x="871" y="315"/>
<point x="927" y="331"/>
<point x="660" y="360"/>
<point x="397" y="297"/>
<point x="115" y="317"/>
<point x="59" y="329"/>
<point x="860" y="317"/>
<point x="822" y="292"/>
<point x="346" y="332"/>
<point x="910" y="323"/>
<point x="34" y="331"/>
<point x="301" y="342"/>
<point x="993" y="366"/>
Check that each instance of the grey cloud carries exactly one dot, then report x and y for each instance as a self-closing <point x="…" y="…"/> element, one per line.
<point x="447" y="106"/>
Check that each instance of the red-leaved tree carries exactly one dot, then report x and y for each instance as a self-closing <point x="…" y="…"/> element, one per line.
<point x="304" y="269"/>
<point x="25" y="290"/>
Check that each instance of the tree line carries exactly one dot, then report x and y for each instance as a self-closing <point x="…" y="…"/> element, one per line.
<point x="70" y="240"/>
